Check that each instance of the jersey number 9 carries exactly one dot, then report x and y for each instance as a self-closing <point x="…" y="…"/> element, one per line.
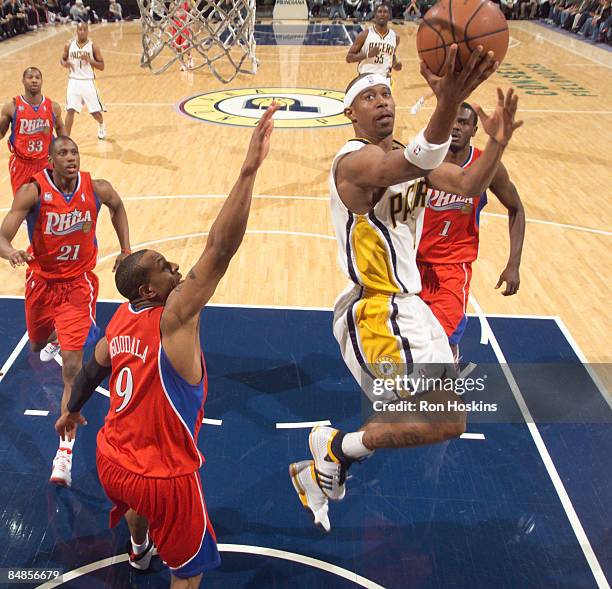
<point x="124" y="387"/>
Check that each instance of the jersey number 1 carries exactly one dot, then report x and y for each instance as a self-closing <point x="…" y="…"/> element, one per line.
<point x="444" y="232"/>
<point x="124" y="387"/>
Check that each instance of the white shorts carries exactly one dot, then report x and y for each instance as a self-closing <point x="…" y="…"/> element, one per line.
<point x="81" y="92"/>
<point x="383" y="336"/>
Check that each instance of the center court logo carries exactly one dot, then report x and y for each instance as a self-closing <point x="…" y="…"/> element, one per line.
<point x="301" y="108"/>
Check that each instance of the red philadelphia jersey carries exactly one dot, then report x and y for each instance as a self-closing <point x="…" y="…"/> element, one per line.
<point x="451" y="224"/>
<point x="62" y="228"/>
<point x="31" y="129"/>
<point x="155" y="416"/>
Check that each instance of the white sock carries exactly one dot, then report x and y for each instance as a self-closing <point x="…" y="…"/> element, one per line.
<point x="139" y="548"/>
<point x="352" y="446"/>
<point x="66" y="445"/>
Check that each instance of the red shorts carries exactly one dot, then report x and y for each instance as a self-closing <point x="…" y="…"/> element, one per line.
<point x="21" y="171"/>
<point x="175" y="509"/>
<point x="68" y="306"/>
<point x="445" y="290"/>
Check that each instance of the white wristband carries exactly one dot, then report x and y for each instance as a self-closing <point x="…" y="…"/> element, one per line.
<point x="425" y="155"/>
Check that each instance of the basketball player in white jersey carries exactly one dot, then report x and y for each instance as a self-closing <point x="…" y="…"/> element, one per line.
<point x="378" y="196"/>
<point x="81" y="56"/>
<point x="375" y="48"/>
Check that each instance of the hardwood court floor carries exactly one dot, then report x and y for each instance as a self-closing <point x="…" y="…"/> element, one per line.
<point x="559" y="161"/>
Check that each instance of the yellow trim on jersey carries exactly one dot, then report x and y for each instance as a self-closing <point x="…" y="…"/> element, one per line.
<point x="371" y="257"/>
<point x="381" y="348"/>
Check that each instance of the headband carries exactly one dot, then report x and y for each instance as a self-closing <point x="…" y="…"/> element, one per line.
<point x="363" y="84"/>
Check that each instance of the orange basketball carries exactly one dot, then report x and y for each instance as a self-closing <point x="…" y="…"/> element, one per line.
<point x="468" y="23"/>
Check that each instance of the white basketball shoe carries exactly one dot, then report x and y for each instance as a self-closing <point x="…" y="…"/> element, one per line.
<point x="49" y="352"/>
<point x="62" y="466"/>
<point x="303" y="478"/>
<point x="329" y="470"/>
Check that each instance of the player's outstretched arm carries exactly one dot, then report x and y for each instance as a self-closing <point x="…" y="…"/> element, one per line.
<point x="108" y="196"/>
<point x="226" y="233"/>
<point x="355" y="53"/>
<point x="85" y="383"/>
<point x="499" y="126"/>
<point x="25" y="199"/>
<point x="505" y="190"/>
<point x="59" y="122"/>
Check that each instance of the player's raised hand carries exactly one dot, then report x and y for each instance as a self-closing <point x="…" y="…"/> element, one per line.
<point x="454" y="86"/>
<point x="500" y="124"/>
<point x="19" y="258"/>
<point x="67" y="424"/>
<point x="119" y="259"/>
<point x="260" y="141"/>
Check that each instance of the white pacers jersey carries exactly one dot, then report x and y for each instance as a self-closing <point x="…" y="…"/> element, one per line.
<point x="378" y="250"/>
<point x="381" y="63"/>
<point x="80" y="69"/>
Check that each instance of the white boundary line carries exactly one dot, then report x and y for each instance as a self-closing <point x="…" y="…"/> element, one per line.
<point x="298" y="308"/>
<point x="326" y="199"/>
<point x="36" y="412"/>
<point x="485" y="329"/>
<point x="11" y="359"/>
<point x="347" y="35"/>
<point x="299" y="424"/>
<point x="209" y="421"/>
<point x="581" y="536"/>
<point x="594" y="377"/>
<point x="468" y="436"/>
<point x="562" y="225"/>
<point x="240" y="548"/>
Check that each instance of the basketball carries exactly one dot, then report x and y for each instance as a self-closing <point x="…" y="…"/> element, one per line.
<point x="468" y="24"/>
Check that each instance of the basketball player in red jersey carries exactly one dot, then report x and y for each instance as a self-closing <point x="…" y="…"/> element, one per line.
<point x="32" y="118"/>
<point x="449" y="243"/>
<point x="148" y="458"/>
<point x="61" y="209"/>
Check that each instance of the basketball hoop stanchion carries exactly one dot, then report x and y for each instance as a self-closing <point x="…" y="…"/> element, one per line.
<point x="218" y="34"/>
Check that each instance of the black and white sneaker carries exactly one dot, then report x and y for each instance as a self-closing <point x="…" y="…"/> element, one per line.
<point x="330" y="468"/>
<point x="142" y="561"/>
